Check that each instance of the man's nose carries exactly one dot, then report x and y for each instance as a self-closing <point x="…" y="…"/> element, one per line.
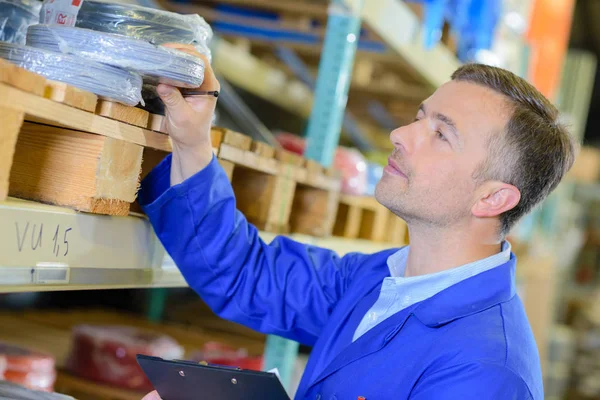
<point x="406" y="138"/>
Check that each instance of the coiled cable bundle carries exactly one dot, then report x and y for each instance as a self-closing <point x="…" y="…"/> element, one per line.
<point x="15" y="17"/>
<point x="154" y="26"/>
<point x="106" y="81"/>
<point x="156" y="64"/>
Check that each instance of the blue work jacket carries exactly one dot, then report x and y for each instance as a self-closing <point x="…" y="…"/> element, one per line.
<point x="470" y="341"/>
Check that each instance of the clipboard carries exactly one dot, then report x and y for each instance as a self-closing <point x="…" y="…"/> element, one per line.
<point x="186" y="380"/>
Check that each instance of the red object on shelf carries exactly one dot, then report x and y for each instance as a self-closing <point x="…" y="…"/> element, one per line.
<point x="221" y="354"/>
<point x="31" y="369"/>
<point x="350" y="162"/>
<point x="107" y="354"/>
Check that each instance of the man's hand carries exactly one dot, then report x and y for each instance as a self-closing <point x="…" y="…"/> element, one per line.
<point x="188" y="122"/>
<point x="152" y="396"/>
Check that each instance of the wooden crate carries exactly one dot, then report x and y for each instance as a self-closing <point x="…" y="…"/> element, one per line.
<point x="55" y="148"/>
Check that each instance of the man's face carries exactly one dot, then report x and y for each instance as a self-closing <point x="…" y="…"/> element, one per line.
<point x="429" y="177"/>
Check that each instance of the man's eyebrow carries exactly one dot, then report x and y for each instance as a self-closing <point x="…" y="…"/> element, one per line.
<point x="448" y="121"/>
<point x="444" y="118"/>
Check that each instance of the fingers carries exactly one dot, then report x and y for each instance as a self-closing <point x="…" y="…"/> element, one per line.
<point x="152" y="396"/>
<point x="178" y="111"/>
<point x="171" y="96"/>
<point x="210" y="82"/>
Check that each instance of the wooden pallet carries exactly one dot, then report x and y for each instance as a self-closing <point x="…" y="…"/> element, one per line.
<point x="62" y="146"/>
<point x="361" y="217"/>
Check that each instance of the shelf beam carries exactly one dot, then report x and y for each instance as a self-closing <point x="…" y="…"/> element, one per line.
<point x="49" y="248"/>
<point x="400" y="28"/>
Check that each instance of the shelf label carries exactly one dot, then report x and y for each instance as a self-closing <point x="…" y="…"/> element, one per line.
<point x="34" y="237"/>
<point x="50" y="273"/>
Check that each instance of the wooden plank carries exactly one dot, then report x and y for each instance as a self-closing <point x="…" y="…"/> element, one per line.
<point x="70" y="95"/>
<point x="216" y="136"/>
<point x="39" y="109"/>
<point x="155" y="123"/>
<point x="262" y="149"/>
<point x="313" y="167"/>
<point x="10" y="125"/>
<point x="248" y="159"/>
<point x="236" y="139"/>
<point x="22" y="79"/>
<point x="288" y="157"/>
<point x="130" y="115"/>
<point x="75" y="169"/>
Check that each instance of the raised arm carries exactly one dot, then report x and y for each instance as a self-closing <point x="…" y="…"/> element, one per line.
<point x="285" y="288"/>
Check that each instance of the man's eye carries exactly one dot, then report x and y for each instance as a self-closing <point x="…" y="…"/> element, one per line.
<point x="441" y="136"/>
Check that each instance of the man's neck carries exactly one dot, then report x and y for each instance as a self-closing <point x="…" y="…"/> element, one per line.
<point x="437" y="249"/>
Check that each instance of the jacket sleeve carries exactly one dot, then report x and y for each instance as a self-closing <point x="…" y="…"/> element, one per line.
<point x="477" y="380"/>
<point x="284" y="288"/>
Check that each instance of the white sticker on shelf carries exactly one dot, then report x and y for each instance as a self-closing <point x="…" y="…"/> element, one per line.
<point x="51" y="274"/>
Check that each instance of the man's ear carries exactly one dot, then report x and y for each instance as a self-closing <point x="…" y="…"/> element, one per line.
<point x="496" y="198"/>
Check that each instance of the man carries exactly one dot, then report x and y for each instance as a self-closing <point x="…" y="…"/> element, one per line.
<point x="439" y="319"/>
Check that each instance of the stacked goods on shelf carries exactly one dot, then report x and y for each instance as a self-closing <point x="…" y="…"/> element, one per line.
<point x="155" y="26"/>
<point x="358" y="216"/>
<point x="349" y="161"/>
<point x="155" y="64"/>
<point x="108" y="82"/>
<point x="91" y="163"/>
<point x="107" y="354"/>
<point x="28" y="368"/>
<point x="113" y="61"/>
<point x="15" y="17"/>
<point x="57" y="333"/>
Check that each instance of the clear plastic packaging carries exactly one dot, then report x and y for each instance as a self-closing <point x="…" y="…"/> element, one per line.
<point x="108" y="354"/>
<point x="154" y="26"/>
<point x="108" y="82"/>
<point x="15" y="17"/>
<point x="155" y="63"/>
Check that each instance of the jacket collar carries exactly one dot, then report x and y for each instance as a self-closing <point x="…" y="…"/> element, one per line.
<point x="470" y="296"/>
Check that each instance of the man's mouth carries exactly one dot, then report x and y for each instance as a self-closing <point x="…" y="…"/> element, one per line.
<point x="394" y="169"/>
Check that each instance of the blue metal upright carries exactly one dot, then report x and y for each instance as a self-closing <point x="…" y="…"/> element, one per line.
<point x="324" y="128"/>
<point x="333" y="81"/>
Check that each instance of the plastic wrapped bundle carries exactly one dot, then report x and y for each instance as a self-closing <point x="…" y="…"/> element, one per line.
<point x="15" y="17"/>
<point x="108" y="354"/>
<point x="13" y="391"/>
<point x="31" y="369"/>
<point x="154" y="26"/>
<point x="155" y="64"/>
<point x="108" y="82"/>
